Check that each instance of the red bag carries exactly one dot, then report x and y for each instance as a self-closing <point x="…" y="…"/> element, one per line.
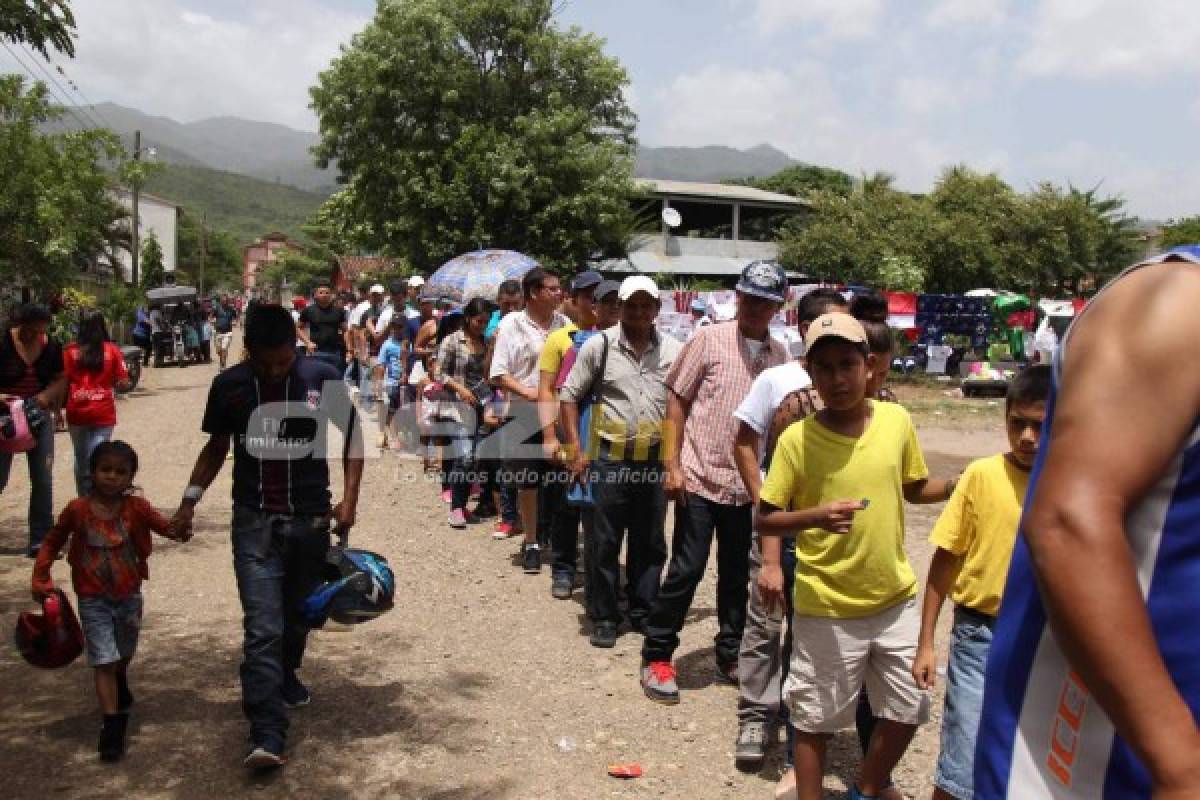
<point x="52" y="638"/>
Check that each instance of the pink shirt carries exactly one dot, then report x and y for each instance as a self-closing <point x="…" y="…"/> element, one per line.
<point x="714" y="373"/>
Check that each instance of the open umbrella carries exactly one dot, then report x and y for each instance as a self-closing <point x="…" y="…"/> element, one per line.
<point x="477" y="274"/>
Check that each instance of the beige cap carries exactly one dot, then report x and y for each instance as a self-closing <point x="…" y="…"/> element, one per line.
<point x="638" y="283"/>
<point x="837" y="324"/>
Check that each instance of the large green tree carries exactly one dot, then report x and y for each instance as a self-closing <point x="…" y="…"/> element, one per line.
<point x="222" y="255"/>
<point x="1180" y="232"/>
<point x="56" y="214"/>
<point x="802" y="180"/>
<point x="457" y="124"/>
<point x="44" y="25"/>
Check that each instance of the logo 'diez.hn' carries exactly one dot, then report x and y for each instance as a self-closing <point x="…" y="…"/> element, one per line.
<point x="313" y="399"/>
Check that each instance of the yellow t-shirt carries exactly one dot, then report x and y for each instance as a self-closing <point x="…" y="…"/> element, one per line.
<point x="558" y="343"/>
<point x="865" y="571"/>
<point x="979" y="525"/>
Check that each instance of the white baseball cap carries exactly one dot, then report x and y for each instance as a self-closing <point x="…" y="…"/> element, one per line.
<point x="378" y="289"/>
<point x="638" y="283"/>
<point x="416" y="280"/>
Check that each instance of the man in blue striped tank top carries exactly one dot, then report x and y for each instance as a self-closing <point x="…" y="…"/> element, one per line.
<point x="1093" y="681"/>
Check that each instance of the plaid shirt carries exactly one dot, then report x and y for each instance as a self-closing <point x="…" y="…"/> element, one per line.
<point x="714" y="372"/>
<point x="107" y="556"/>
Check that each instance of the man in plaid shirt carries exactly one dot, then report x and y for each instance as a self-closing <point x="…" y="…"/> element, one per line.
<point x="708" y="381"/>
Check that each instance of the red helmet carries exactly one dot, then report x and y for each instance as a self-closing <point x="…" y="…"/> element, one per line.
<point x="53" y="638"/>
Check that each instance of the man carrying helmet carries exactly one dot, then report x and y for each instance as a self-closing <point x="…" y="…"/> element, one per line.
<point x="275" y="410"/>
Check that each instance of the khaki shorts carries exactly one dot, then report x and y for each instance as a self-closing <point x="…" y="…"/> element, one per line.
<point x="224" y="340"/>
<point x="832" y="659"/>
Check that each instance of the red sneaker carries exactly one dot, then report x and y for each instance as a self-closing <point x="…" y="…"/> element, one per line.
<point x="504" y="530"/>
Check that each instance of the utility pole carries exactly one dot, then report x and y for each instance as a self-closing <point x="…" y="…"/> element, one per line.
<point x="203" y="250"/>
<point x="135" y="251"/>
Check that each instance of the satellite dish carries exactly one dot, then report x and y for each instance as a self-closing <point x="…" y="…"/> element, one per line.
<point x="671" y="217"/>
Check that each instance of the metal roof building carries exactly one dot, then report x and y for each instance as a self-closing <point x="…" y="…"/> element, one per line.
<point x="721" y="228"/>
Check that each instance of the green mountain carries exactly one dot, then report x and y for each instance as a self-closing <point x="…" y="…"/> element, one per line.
<point x="710" y="164"/>
<point x="244" y="206"/>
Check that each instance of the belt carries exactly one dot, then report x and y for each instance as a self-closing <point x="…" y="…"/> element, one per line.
<point x="967" y="614"/>
<point x="633" y="451"/>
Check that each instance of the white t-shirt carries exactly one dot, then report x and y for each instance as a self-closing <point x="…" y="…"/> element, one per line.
<point x="356" y="316"/>
<point x="519" y="343"/>
<point x="767" y="392"/>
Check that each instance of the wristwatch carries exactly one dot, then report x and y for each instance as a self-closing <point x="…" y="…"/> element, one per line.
<point x="193" y="493"/>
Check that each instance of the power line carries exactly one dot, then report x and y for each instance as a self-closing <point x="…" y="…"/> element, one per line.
<point x="79" y="91"/>
<point x="41" y="67"/>
<point x="65" y="105"/>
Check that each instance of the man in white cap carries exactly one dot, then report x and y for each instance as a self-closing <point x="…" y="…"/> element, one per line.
<point x="415" y="283"/>
<point x="624" y="369"/>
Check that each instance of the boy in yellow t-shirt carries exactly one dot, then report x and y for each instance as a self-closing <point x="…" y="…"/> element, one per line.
<point x="856" y="620"/>
<point x="974" y="538"/>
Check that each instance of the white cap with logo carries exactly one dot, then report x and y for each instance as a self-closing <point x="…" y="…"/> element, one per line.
<point x="638" y="283"/>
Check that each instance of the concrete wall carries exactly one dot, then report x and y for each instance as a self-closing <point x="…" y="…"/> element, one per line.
<point x="154" y="216"/>
<point x="688" y="246"/>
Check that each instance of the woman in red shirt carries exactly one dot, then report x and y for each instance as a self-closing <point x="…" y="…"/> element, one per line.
<point x="94" y="367"/>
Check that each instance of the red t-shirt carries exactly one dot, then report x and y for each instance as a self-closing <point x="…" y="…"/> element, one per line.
<point x="90" y="399"/>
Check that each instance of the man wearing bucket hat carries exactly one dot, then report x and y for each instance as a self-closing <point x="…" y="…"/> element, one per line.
<point x="707" y="383"/>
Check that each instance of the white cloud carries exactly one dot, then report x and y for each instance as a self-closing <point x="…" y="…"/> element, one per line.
<point x="953" y="13"/>
<point x="829" y="19"/>
<point x="1112" y="38"/>
<point x="1153" y="191"/>
<point x="802" y="111"/>
<point x="920" y="96"/>
<point x="173" y="58"/>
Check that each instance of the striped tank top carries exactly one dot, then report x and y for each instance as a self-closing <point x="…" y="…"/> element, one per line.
<point x="1041" y="734"/>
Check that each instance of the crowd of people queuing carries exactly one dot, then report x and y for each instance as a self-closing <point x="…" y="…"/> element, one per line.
<point x="571" y="419"/>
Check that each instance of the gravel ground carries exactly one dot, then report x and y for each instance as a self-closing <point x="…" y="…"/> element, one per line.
<point x="478" y="685"/>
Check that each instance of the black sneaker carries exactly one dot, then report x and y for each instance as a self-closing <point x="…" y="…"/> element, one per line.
<point x="295" y="693"/>
<point x="112" y="737"/>
<point x="124" y="696"/>
<point x="531" y="557"/>
<point x="604" y="634"/>
<point x="562" y="587"/>
<point x="485" y="511"/>
<point x="265" y="754"/>
<point x="727" y="674"/>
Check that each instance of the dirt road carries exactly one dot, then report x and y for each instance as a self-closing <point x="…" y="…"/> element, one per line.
<point x="478" y="685"/>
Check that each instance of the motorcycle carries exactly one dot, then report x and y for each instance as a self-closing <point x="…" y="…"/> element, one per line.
<point x="133" y="365"/>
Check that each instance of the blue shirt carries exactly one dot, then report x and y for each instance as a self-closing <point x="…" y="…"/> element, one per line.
<point x="392" y="357"/>
<point x="279" y="434"/>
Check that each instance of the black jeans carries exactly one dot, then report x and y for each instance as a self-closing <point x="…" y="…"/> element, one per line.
<point x="278" y="560"/>
<point x="695" y="521"/>
<point x="629" y="501"/>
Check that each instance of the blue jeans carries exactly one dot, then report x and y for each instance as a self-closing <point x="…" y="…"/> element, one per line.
<point x="278" y="560"/>
<point x="41" y="484"/>
<point x="335" y="360"/>
<point x="970" y="641"/>
<point x="84" y="438"/>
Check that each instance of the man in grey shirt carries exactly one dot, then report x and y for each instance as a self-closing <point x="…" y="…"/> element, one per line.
<point x="624" y="369"/>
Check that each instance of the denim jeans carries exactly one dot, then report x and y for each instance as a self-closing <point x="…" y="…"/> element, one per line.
<point x="695" y="522"/>
<point x="278" y="560"/>
<point x="461" y="468"/>
<point x="41" y="483"/>
<point x="335" y="360"/>
<point x="84" y="439"/>
<point x="970" y="641"/>
<point x="630" y="505"/>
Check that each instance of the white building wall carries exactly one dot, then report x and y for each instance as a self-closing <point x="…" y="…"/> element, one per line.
<point x="154" y="216"/>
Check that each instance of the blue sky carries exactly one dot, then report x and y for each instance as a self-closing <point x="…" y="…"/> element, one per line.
<point x="1086" y="91"/>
